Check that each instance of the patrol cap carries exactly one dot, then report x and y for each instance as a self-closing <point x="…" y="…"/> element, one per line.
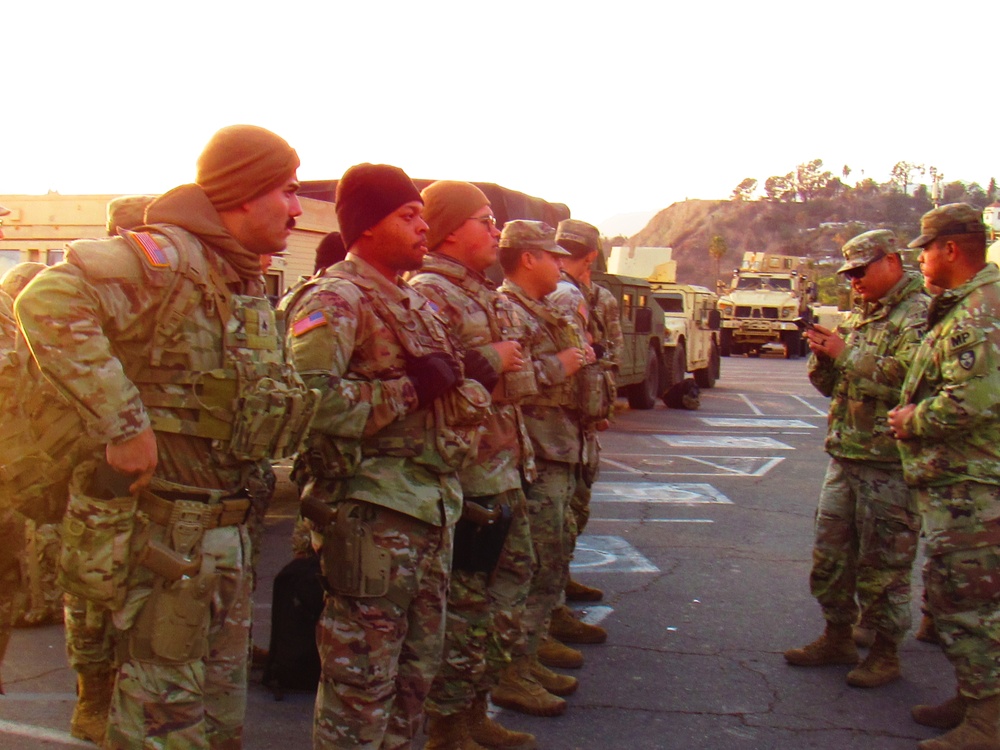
<point x="17" y="277"/>
<point x="953" y="218"/>
<point x="521" y="234"/>
<point x="127" y="212"/>
<point x="867" y="248"/>
<point x="578" y="237"/>
<point x="4" y="210"/>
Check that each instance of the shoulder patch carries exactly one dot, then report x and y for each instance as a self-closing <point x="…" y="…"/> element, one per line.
<point x="967" y="359"/>
<point x="309" y="322"/>
<point x="148" y="246"/>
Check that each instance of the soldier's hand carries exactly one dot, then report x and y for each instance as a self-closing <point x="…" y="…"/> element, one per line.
<point x="136" y="456"/>
<point x="511" y="355"/>
<point x="432" y="375"/>
<point x="572" y="359"/>
<point x="824" y="341"/>
<point x="897" y="417"/>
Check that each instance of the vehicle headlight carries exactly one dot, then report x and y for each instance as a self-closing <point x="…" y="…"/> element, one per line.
<point x="787" y="313"/>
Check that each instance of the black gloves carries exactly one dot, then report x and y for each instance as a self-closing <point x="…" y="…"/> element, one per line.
<point x="478" y="367"/>
<point x="598" y="350"/>
<point x="432" y="375"/>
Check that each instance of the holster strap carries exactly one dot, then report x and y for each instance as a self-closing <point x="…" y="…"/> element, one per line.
<point x="224" y="513"/>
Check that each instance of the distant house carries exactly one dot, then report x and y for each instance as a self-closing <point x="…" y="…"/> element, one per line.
<point x="991" y="217"/>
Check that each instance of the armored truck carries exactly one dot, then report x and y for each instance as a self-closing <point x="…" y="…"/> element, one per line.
<point x="691" y="332"/>
<point x="768" y="303"/>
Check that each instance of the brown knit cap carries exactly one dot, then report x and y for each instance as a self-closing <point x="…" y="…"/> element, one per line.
<point x="242" y="162"/>
<point x="447" y="205"/>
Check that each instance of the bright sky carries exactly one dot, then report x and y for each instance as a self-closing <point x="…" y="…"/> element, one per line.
<point x="612" y="107"/>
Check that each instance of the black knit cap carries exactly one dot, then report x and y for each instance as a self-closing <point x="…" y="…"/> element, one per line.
<point x="367" y="193"/>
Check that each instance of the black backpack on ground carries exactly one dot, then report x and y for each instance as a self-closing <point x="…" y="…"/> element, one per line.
<point x="297" y="603"/>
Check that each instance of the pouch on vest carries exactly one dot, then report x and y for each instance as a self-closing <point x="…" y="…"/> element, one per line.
<point x="596" y="394"/>
<point x="480" y="535"/>
<point x="353" y="564"/>
<point x="173" y="625"/>
<point x="458" y="418"/>
<point x="96" y="541"/>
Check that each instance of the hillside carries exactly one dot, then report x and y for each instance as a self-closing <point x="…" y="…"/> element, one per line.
<point x="815" y="228"/>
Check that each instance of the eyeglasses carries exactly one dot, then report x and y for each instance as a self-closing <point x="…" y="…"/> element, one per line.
<point x="857" y="273"/>
<point x="487" y="221"/>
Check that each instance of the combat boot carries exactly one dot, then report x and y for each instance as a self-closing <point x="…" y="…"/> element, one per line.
<point x="450" y="732"/>
<point x="835" y="646"/>
<point x="578" y="592"/>
<point x="880" y="667"/>
<point x="557" y="684"/>
<point x="927" y="632"/>
<point x="490" y="733"/>
<point x="518" y="690"/>
<point x="863" y="637"/>
<point x="93" y="701"/>
<point x="978" y="730"/>
<point x="566" y="628"/>
<point x="552" y="653"/>
<point x="947" y="715"/>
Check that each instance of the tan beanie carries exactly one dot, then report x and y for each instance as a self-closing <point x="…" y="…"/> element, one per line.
<point x="242" y="162"/>
<point x="447" y="205"/>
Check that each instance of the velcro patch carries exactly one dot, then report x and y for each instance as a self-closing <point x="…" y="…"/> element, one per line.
<point x="147" y="244"/>
<point x="309" y="322"/>
<point x="967" y="359"/>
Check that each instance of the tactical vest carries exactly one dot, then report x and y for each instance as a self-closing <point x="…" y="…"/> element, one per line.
<point x="248" y="400"/>
<point x="442" y="437"/>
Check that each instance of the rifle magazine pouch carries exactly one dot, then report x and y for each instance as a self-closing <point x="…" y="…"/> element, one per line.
<point x="353" y="563"/>
<point x="96" y="543"/>
<point x="595" y="398"/>
<point x="173" y="625"/>
<point x="479" y="537"/>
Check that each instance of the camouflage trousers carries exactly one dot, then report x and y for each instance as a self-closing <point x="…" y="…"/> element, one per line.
<point x="11" y="547"/>
<point x="867" y="529"/>
<point x="962" y="581"/>
<point x="553" y="531"/>
<point x="380" y="654"/>
<point x="90" y="636"/>
<point x="165" y="696"/>
<point x="484" y="628"/>
<point x="42" y="599"/>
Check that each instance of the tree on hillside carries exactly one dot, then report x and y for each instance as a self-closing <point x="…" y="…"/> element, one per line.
<point x="717" y="248"/>
<point x="810" y="180"/>
<point x="780" y="189"/>
<point x="744" y="190"/>
<point x="902" y="173"/>
<point x="846" y="171"/>
<point x="953" y="192"/>
<point x="991" y="191"/>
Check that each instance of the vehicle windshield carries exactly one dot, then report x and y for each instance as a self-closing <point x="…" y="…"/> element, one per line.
<point x="672" y="303"/>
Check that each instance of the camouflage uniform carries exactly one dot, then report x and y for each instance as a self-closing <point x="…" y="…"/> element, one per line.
<point x="553" y="425"/>
<point x="953" y="461"/>
<point x="373" y="449"/>
<point x="867" y="525"/>
<point x="127" y="329"/>
<point x="484" y="628"/>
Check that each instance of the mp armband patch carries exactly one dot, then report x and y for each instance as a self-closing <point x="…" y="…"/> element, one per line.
<point x="967" y="360"/>
<point x="308" y="323"/>
<point x="147" y="245"/>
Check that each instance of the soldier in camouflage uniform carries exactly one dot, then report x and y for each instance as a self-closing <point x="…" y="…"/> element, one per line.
<point x="867" y="524"/>
<point x="596" y="311"/>
<point x="487" y="596"/>
<point x="949" y="434"/>
<point x="397" y="420"/>
<point x="165" y="345"/>
<point x="530" y="259"/>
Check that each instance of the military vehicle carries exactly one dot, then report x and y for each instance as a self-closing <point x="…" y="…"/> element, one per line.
<point x="691" y="332"/>
<point x="767" y="303"/>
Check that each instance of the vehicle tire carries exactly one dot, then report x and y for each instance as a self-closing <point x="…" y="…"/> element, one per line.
<point x="706" y="377"/>
<point x="643" y="395"/>
<point x="792" y="341"/>
<point x="726" y="341"/>
<point x="676" y="368"/>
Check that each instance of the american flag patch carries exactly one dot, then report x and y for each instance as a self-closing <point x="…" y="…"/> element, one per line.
<point x="145" y="242"/>
<point x="306" y="324"/>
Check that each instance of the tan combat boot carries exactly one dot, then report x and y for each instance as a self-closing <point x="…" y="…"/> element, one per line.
<point x="552" y="653"/>
<point x="450" y="732"/>
<point x="566" y="628"/>
<point x="557" y="684"/>
<point x="880" y="667"/>
<point x="978" y="730"/>
<point x="519" y="691"/>
<point x="947" y="715"/>
<point x="927" y="632"/>
<point x="490" y="733"/>
<point x="578" y="592"/>
<point x="863" y="637"/>
<point x="93" y="701"/>
<point x="835" y="646"/>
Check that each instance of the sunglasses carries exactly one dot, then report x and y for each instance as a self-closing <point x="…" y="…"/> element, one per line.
<point x="857" y="273"/>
